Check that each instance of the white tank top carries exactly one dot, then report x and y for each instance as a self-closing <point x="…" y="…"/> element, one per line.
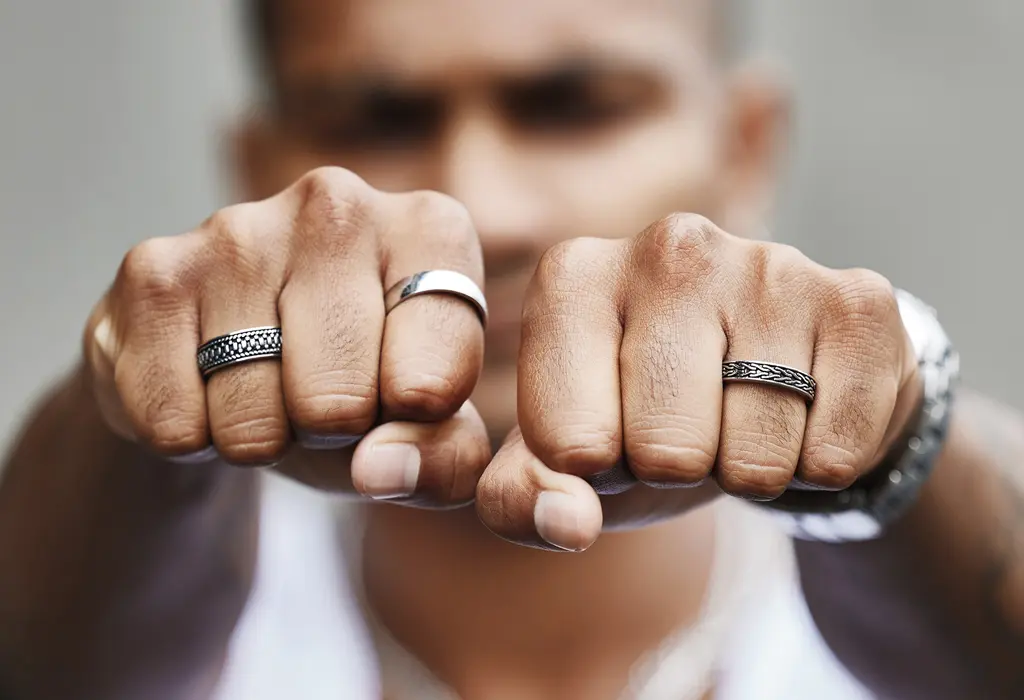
<point x="305" y="634"/>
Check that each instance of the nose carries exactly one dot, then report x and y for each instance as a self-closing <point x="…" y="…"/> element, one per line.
<point x="482" y="168"/>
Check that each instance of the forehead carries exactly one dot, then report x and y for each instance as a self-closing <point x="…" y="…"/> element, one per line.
<point x="446" y="39"/>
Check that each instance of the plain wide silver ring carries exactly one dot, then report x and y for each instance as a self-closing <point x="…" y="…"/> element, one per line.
<point x="238" y="347"/>
<point x="772" y="374"/>
<point x="438" y="282"/>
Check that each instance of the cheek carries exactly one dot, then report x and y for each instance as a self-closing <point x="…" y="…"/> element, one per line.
<point x="617" y="187"/>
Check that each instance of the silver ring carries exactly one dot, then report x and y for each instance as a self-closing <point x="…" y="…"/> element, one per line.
<point x="438" y="282"/>
<point x="235" y="348"/>
<point x="772" y="374"/>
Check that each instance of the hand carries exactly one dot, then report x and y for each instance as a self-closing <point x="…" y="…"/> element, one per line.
<point x="315" y="260"/>
<point x="620" y="372"/>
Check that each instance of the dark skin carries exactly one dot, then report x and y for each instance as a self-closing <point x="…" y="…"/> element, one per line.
<point x="945" y="583"/>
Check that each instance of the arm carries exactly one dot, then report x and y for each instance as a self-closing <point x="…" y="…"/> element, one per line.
<point x="121" y="575"/>
<point x="935" y="608"/>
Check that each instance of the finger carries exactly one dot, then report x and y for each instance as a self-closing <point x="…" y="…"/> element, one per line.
<point x="423" y="464"/>
<point x="145" y="334"/>
<point x="762" y="425"/>
<point x="858" y="364"/>
<point x="245" y="406"/>
<point x="671" y="393"/>
<point x="523" y="501"/>
<point x="432" y="350"/>
<point x="332" y="312"/>
<point x="101" y="345"/>
<point x="568" y="391"/>
<point x="671" y="353"/>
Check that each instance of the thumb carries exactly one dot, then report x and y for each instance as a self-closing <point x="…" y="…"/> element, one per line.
<point x="432" y="465"/>
<point x="523" y="501"/>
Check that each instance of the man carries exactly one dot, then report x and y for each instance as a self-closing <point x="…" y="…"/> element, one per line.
<point x="563" y="134"/>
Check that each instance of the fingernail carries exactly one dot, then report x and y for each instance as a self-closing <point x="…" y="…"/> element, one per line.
<point x="556" y="517"/>
<point x="754" y="498"/>
<point x="207" y="454"/>
<point x="668" y="485"/>
<point x="327" y="442"/>
<point x="800" y="485"/>
<point x="393" y="470"/>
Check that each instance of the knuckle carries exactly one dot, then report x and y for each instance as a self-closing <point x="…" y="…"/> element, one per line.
<point x="676" y="455"/>
<point x="864" y="297"/>
<point x="681" y="233"/>
<point x="174" y="432"/>
<point x="157" y="268"/>
<point x="336" y="204"/>
<point x="581" y="449"/>
<point x="740" y="475"/>
<point x="443" y="224"/>
<point x="829" y="466"/>
<point x="423" y="395"/>
<point x="436" y="207"/>
<point x="334" y="405"/>
<point x="498" y="504"/>
<point x="458" y="465"/>
<point x="240" y="244"/>
<point x="231" y="237"/>
<point x="567" y="267"/>
<point x="680" y="247"/>
<point x="229" y="223"/>
<point x="333" y="184"/>
<point x="167" y="419"/>
<point x="252" y="436"/>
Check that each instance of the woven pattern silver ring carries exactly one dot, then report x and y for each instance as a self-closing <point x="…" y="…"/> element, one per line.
<point x="772" y="374"/>
<point x="238" y="347"/>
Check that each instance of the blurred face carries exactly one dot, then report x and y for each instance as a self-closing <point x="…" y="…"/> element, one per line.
<point x="548" y="119"/>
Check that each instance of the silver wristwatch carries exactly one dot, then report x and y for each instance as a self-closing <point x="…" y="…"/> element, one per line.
<point x="865" y="510"/>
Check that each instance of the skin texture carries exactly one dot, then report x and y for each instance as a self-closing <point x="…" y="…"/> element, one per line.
<point x="563" y="136"/>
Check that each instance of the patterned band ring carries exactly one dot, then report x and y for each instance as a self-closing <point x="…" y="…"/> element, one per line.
<point x="235" y="348"/>
<point x="770" y="373"/>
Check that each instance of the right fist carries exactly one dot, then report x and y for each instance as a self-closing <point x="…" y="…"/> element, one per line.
<point x="315" y="260"/>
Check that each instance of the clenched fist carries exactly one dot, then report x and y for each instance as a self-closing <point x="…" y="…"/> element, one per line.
<point x="621" y="381"/>
<point x="620" y="371"/>
<point x="315" y="260"/>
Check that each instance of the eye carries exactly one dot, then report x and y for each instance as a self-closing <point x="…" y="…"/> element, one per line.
<point x="573" y="101"/>
<point x="379" y="119"/>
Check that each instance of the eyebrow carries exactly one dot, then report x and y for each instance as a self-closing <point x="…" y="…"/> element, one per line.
<point x="345" y="87"/>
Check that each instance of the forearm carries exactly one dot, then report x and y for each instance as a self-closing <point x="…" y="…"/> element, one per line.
<point x="120" y="575"/>
<point x="935" y="608"/>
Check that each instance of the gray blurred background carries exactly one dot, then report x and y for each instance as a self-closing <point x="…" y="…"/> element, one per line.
<point x="907" y="156"/>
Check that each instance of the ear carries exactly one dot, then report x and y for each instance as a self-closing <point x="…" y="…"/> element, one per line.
<point x="758" y="122"/>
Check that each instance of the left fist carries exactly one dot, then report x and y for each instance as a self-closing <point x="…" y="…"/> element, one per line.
<point x="620" y="381"/>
